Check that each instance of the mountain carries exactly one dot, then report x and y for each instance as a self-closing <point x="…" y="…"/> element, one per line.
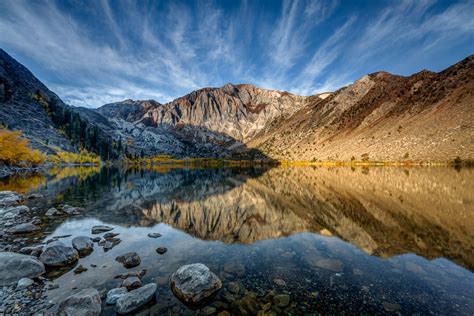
<point x="28" y="105"/>
<point x="426" y="116"/>
<point x="128" y="110"/>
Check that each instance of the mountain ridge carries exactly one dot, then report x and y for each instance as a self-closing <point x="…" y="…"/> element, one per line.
<point x="381" y="116"/>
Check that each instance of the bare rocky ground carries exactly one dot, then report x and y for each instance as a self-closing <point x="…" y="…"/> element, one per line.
<point x="425" y="117"/>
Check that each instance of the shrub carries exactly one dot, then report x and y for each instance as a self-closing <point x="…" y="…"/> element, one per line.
<point x="15" y="150"/>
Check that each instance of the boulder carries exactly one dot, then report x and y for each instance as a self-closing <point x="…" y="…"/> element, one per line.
<point x="13" y="212"/>
<point x="35" y="196"/>
<point x="83" y="244"/>
<point x="132" y="283"/>
<point x="129" y="260"/>
<point x="15" y="266"/>
<point x="135" y="299"/>
<point x="98" y="229"/>
<point x="84" y="303"/>
<point x="194" y="283"/>
<point x="114" y="294"/>
<point x="58" y="255"/>
<point x="24" y="228"/>
<point x="72" y="210"/>
<point x="23" y="283"/>
<point x="32" y="251"/>
<point x="53" y="212"/>
<point x="9" y="198"/>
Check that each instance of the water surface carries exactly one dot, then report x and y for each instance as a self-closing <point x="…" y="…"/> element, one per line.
<point x="363" y="240"/>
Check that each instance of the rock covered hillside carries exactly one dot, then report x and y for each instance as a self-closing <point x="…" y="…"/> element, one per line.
<point x="426" y="116"/>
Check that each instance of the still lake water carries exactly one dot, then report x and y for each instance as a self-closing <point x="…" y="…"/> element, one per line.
<point x="336" y="240"/>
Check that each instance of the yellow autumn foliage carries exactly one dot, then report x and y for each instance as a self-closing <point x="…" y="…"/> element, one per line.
<point x="84" y="157"/>
<point x="15" y="150"/>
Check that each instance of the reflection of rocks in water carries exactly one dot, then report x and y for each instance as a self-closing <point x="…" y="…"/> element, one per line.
<point x="385" y="212"/>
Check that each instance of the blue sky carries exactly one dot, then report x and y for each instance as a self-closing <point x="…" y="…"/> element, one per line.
<point x="95" y="52"/>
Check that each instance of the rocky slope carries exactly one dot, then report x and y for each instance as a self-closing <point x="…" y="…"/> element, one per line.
<point x="20" y="111"/>
<point x="426" y="116"/>
<point x="28" y="105"/>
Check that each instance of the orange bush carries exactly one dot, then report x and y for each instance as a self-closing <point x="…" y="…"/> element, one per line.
<point x="15" y="151"/>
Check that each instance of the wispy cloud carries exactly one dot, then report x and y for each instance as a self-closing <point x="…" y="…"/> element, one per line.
<point x="103" y="51"/>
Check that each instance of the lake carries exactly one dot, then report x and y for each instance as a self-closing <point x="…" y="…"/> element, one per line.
<point x="333" y="240"/>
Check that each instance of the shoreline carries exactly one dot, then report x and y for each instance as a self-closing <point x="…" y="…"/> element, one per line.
<point x="6" y="171"/>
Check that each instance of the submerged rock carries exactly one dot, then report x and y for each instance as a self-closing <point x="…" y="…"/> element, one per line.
<point x="114" y="294"/>
<point x="281" y="300"/>
<point x="329" y="264"/>
<point x="132" y="283"/>
<point x="247" y="305"/>
<point x="80" y="269"/>
<point x="129" y="260"/>
<point x="84" y="303"/>
<point x="98" y="229"/>
<point x="161" y="250"/>
<point x="15" y="266"/>
<point x="154" y="235"/>
<point x="194" y="283"/>
<point x="83" y="244"/>
<point x="24" y="228"/>
<point x="58" y="255"/>
<point x="135" y="299"/>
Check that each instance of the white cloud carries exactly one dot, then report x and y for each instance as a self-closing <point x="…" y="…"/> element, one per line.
<point x="163" y="50"/>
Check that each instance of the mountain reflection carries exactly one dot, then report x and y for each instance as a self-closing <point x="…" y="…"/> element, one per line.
<point x="384" y="211"/>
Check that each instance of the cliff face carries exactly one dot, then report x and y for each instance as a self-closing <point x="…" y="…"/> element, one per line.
<point x="239" y="111"/>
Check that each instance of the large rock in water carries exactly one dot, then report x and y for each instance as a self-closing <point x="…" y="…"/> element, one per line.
<point x="194" y="283"/>
<point x="135" y="299"/>
<point x="129" y="260"/>
<point x="83" y="244"/>
<point x="58" y="255"/>
<point x="15" y="266"/>
<point x="84" y="303"/>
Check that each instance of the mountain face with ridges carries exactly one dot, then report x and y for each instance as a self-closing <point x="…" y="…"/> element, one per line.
<point x="128" y="110"/>
<point x="239" y="111"/>
<point x="426" y="116"/>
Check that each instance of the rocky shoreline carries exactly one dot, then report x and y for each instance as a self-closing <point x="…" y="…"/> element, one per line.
<point x="29" y="266"/>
